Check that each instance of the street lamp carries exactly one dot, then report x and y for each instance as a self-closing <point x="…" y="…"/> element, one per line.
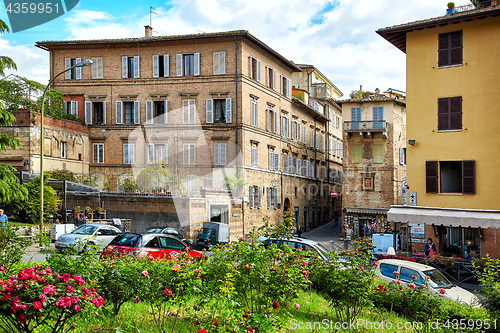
<point x="86" y="62"/>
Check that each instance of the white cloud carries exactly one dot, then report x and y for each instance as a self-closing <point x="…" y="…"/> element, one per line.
<point x="32" y="62"/>
<point x="341" y="43"/>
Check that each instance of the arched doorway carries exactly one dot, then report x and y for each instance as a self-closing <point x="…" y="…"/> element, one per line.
<point x="286" y="205"/>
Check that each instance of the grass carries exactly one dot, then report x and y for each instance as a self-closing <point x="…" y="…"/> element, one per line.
<point x="314" y="315"/>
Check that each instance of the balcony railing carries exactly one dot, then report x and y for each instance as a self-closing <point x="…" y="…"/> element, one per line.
<point x="366" y="126"/>
<point x="476" y="5"/>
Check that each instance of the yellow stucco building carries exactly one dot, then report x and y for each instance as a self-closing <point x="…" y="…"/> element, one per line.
<point x="452" y="124"/>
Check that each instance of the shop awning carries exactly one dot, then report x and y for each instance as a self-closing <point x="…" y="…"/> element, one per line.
<point x="362" y="210"/>
<point x="448" y="217"/>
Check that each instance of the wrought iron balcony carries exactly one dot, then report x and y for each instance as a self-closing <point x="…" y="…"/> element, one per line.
<point x="366" y="126"/>
<point x="476" y="4"/>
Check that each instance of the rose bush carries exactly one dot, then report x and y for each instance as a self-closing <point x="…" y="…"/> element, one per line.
<point x="36" y="297"/>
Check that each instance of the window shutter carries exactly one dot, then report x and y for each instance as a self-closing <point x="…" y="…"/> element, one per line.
<point x="137" y="112"/>
<point x="312" y="138"/>
<point x="124" y="67"/>
<point x="285" y="164"/>
<point x="251" y="67"/>
<point x="196" y="64"/>
<point x="276" y="162"/>
<point x="304" y="135"/>
<point x="100" y="68"/>
<point x="456" y="48"/>
<point x="192" y="111"/>
<point x="443" y="49"/>
<point x="282" y="126"/>
<point x="104" y="112"/>
<point x="95" y="74"/>
<point x="258" y="70"/>
<point x="166" y="65"/>
<point x="165" y="156"/>
<point x="268" y="195"/>
<point x="401" y="156"/>
<point x="222" y="63"/>
<point x="216" y="63"/>
<point x="216" y="153"/>
<point x="250" y="197"/>
<point x="294" y="130"/>
<point x="317" y="140"/>
<point x="65" y="104"/>
<point x="269" y="115"/>
<point x="299" y="166"/>
<point x="271" y="160"/>
<point x="298" y="132"/>
<point x="165" y="115"/>
<point x="156" y="68"/>
<point x="254" y="157"/>
<point x="73" y="108"/>
<point x="125" y="154"/>
<point x="67" y="64"/>
<point x="185" y="154"/>
<point x="253" y="113"/>
<point x="192" y="154"/>
<point x="131" y="152"/>
<point x="267" y="77"/>
<point x="88" y="113"/>
<point x="275" y="122"/>
<point x="210" y="111"/>
<point x="136" y="67"/>
<point x="185" y="111"/>
<point x="275" y="198"/>
<point x="78" y="70"/>
<point x="229" y="113"/>
<point x="178" y="64"/>
<point x="222" y="154"/>
<point x="119" y="107"/>
<point x="274" y="79"/>
<point x="151" y="153"/>
<point x="431" y="177"/>
<point x="149" y="112"/>
<point x="101" y="153"/>
<point x="281" y="84"/>
<point x="468" y="177"/>
<point x="258" y="197"/>
<point x="287" y="87"/>
<point x="456" y="113"/>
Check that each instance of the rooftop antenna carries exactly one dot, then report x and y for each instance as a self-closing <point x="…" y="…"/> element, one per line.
<point x="152" y="11"/>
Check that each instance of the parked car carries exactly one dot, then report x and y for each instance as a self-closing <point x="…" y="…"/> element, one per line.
<point x="155" y="245"/>
<point x="168" y="231"/>
<point x="88" y="234"/>
<point x="388" y="268"/>
<point x="295" y="243"/>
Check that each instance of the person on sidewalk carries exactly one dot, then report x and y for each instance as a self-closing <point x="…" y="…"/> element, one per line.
<point x="299" y="231"/>
<point x="4" y="220"/>
<point x="429" y="249"/>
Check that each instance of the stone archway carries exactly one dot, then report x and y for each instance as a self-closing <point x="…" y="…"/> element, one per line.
<point x="286" y="205"/>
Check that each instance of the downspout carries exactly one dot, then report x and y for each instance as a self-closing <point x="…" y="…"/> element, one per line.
<point x="238" y="167"/>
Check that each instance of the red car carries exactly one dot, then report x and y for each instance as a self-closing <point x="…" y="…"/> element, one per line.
<point x="148" y="245"/>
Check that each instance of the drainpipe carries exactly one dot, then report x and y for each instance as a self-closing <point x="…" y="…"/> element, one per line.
<point x="238" y="167"/>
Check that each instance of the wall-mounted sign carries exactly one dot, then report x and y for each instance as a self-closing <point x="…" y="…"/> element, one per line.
<point x="215" y="212"/>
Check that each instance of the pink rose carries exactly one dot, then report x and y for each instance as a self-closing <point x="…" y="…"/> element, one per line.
<point x="167" y="292"/>
<point x="145" y="274"/>
<point x="297" y="306"/>
<point x="176" y="268"/>
<point x="442" y="291"/>
<point x="411" y="285"/>
<point x="37" y="305"/>
<point x="136" y="300"/>
<point x="246" y="266"/>
<point x="76" y="308"/>
<point x="21" y="318"/>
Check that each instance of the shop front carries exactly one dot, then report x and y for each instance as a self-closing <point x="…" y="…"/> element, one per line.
<point x="358" y="222"/>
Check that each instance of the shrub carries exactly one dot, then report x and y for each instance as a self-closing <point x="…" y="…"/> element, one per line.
<point x="488" y="275"/>
<point x="36" y="297"/>
<point x="12" y="247"/>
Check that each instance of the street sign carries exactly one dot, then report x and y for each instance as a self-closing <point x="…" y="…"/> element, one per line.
<point x="405" y="184"/>
<point x="404" y="197"/>
<point x="334" y="194"/>
<point x="413" y="198"/>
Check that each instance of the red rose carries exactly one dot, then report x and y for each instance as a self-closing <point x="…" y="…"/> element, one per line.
<point x="275" y="305"/>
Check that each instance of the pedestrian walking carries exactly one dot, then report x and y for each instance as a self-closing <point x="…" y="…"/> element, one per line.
<point x="4" y="220"/>
<point x="299" y="231"/>
<point x="429" y="249"/>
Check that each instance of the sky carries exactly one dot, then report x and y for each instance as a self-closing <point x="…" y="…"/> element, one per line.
<point x="338" y="37"/>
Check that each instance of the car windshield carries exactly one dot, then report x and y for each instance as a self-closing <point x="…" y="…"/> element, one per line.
<point x="85" y="230"/>
<point x="170" y="231"/>
<point x="437" y="280"/>
<point x="153" y="230"/>
<point x="126" y="239"/>
<point x="321" y="249"/>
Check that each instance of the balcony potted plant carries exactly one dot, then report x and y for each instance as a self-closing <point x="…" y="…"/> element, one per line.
<point x="451" y="8"/>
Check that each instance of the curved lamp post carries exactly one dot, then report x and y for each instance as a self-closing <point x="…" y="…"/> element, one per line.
<point x="86" y="62"/>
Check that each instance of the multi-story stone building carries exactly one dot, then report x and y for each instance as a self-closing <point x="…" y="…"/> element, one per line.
<point x="374" y="159"/>
<point x="452" y="83"/>
<point x="212" y="105"/>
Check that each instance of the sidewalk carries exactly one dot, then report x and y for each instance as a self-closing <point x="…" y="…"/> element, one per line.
<point x="36" y="248"/>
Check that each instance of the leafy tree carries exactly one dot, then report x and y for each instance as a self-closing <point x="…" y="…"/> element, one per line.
<point x="10" y="189"/>
<point x="355" y="94"/>
<point x="30" y="209"/>
<point x="5" y="62"/>
<point x="61" y="174"/>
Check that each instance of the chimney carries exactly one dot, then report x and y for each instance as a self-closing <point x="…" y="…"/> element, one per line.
<point x="148" y="31"/>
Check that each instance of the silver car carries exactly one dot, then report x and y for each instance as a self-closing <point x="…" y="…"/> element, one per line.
<point x="87" y="235"/>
